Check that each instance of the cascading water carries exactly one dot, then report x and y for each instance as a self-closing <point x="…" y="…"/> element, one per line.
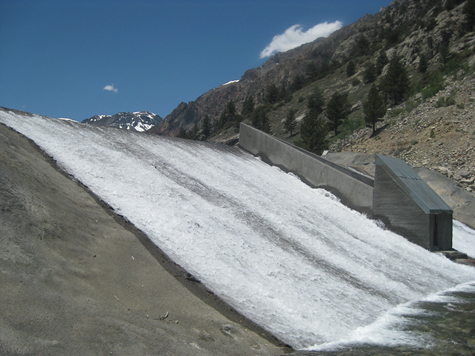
<point x="291" y="258"/>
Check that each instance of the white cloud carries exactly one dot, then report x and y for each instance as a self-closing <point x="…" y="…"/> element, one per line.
<point x="111" y="88"/>
<point x="294" y="37"/>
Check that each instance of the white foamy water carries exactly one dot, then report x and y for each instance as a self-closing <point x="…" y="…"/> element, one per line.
<point x="291" y="258"/>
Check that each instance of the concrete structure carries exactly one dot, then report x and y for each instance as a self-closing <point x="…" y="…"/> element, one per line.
<point x="404" y="201"/>
<point x="354" y="189"/>
<point x="397" y="195"/>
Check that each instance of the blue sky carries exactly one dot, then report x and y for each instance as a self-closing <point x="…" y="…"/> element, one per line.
<point x="79" y="58"/>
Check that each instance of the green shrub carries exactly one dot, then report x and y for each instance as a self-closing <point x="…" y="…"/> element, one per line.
<point x="444" y="102"/>
<point x="435" y="85"/>
<point x="411" y="105"/>
<point x="395" y="112"/>
<point x="450" y="101"/>
<point x="454" y="65"/>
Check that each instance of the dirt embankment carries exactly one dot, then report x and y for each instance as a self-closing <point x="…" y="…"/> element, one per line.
<point x="75" y="281"/>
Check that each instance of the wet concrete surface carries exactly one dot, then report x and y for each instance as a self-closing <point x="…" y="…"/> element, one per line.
<point x="78" y="280"/>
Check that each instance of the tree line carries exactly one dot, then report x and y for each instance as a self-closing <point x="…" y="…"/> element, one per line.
<point x="315" y="127"/>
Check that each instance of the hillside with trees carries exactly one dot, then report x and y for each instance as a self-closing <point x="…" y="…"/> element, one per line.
<point x="347" y="91"/>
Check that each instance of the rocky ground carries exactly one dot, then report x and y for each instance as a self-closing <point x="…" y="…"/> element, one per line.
<point x="425" y="134"/>
<point x="78" y="280"/>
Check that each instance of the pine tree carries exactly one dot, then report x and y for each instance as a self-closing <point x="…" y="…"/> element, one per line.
<point x="312" y="71"/>
<point x="290" y="123"/>
<point x="297" y="83"/>
<point x="193" y="134"/>
<point x="316" y="101"/>
<point x="229" y="114"/>
<point x="374" y="107"/>
<point x="265" y="123"/>
<point x="231" y="110"/>
<point x="396" y="81"/>
<point x="260" y="120"/>
<point x="205" y="128"/>
<point x="381" y="62"/>
<point x="183" y="133"/>
<point x="469" y="12"/>
<point x="273" y="94"/>
<point x="337" y="110"/>
<point x="370" y="73"/>
<point x="247" y="107"/>
<point x="350" y="69"/>
<point x="314" y="131"/>
<point x="422" y="64"/>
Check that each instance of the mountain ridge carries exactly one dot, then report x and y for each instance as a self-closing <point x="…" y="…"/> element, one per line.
<point x="139" y="120"/>
<point x="439" y="103"/>
<point x="408" y="28"/>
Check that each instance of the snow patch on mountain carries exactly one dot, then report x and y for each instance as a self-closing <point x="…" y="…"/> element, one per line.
<point x="136" y="121"/>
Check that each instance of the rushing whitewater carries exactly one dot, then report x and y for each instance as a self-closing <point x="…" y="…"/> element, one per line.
<point x="291" y="258"/>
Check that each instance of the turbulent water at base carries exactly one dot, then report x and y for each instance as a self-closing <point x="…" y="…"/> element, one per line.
<point x="291" y="258"/>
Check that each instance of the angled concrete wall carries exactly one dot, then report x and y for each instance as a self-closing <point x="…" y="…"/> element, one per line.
<point x="354" y="189"/>
<point x="409" y="206"/>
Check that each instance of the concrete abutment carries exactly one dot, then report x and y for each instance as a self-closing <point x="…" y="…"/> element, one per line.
<point x="396" y="195"/>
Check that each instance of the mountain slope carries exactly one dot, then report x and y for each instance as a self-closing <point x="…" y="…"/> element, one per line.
<point x="436" y="112"/>
<point x="408" y="28"/>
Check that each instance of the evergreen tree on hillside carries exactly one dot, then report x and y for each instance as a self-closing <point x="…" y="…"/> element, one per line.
<point x="282" y="92"/>
<point x="222" y="120"/>
<point x="361" y="47"/>
<point x="297" y="84"/>
<point x="337" y="110"/>
<point x="450" y="4"/>
<point x="231" y="110"/>
<point x="350" y="69"/>
<point x="205" y="128"/>
<point x="374" y="107"/>
<point x="273" y="94"/>
<point x="469" y="12"/>
<point x="312" y="72"/>
<point x="314" y="131"/>
<point x="422" y="64"/>
<point x="395" y="84"/>
<point x="381" y="62"/>
<point x="290" y="123"/>
<point x="316" y="101"/>
<point x="182" y="133"/>
<point x="247" y="107"/>
<point x="370" y="73"/>
<point x="194" y="132"/>
<point x="260" y="120"/>
<point x="229" y="115"/>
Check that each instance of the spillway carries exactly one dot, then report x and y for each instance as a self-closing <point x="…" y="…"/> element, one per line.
<point x="291" y="258"/>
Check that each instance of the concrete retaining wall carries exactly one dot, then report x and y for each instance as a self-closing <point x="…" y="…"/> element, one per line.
<point x="397" y="209"/>
<point x="354" y="189"/>
<point x="409" y="206"/>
